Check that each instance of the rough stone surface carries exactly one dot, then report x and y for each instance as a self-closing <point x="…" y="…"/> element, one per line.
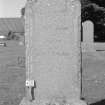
<point x="53" y="49"/>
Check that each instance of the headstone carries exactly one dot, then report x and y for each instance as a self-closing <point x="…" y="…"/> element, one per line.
<point x="88" y="36"/>
<point x="88" y="31"/>
<point x="53" y="51"/>
<point x="88" y="40"/>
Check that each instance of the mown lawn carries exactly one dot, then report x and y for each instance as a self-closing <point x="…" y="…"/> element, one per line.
<point x="12" y="73"/>
<point x="93" y="76"/>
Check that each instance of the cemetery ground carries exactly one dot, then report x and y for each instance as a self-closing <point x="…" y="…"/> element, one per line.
<point x="93" y="76"/>
<point x="12" y="74"/>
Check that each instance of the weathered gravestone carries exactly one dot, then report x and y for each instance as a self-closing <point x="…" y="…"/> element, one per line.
<point x="88" y="36"/>
<point x="53" y="51"/>
<point x="88" y="44"/>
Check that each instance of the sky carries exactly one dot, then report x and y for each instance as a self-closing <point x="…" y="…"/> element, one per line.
<point x="11" y="8"/>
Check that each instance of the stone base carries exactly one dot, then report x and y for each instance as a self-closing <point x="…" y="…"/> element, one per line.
<point x="53" y="102"/>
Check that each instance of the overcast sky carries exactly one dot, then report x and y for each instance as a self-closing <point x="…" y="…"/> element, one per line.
<point x="11" y="8"/>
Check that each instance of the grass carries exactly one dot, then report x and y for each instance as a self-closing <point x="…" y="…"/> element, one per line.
<point x="93" y="76"/>
<point x="12" y="73"/>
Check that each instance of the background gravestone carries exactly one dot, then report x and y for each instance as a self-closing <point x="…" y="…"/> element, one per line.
<point x="88" y="31"/>
<point x="88" y="36"/>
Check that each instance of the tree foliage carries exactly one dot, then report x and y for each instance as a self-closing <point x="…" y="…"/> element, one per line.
<point x="96" y="14"/>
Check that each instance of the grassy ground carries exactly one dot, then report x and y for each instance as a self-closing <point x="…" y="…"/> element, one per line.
<point x="12" y="73"/>
<point x="93" y="76"/>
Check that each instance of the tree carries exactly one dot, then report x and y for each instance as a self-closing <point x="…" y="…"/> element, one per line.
<point x="85" y="2"/>
<point x="99" y="2"/>
<point x="96" y="14"/>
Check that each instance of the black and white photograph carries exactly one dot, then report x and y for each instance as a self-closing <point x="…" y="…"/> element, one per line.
<point x="52" y="52"/>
